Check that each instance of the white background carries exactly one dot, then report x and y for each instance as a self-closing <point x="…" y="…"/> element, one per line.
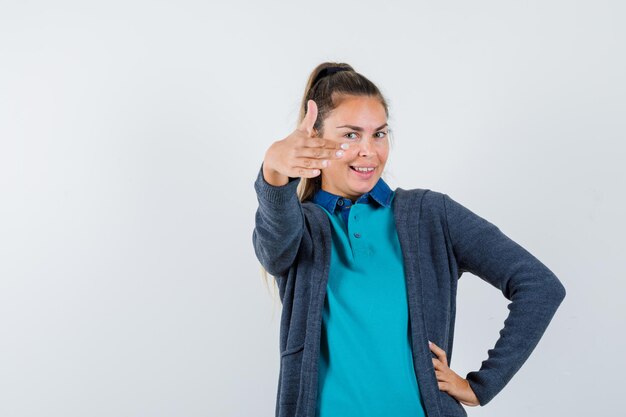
<point x="131" y="133"/>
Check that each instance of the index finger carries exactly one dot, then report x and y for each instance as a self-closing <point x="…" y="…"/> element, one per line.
<point x="441" y="354"/>
<point x="315" y="142"/>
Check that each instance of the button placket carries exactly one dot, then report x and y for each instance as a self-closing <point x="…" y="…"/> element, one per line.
<point x="358" y="243"/>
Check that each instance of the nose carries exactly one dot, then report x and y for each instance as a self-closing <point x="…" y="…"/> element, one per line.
<point x="365" y="147"/>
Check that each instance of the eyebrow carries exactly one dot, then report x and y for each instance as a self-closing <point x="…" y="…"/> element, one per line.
<point x="360" y="129"/>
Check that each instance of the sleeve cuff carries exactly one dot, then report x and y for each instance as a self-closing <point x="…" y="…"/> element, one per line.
<point x="275" y="194"/>
<point x="480" y="384"/>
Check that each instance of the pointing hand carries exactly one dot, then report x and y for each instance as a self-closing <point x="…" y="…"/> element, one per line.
<point x="302" y="153"/>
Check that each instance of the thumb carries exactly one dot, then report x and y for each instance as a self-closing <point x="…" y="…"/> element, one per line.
<point x="309" y="120"/>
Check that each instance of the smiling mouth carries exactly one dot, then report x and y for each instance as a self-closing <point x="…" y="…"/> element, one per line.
<point x="363" y="169"/>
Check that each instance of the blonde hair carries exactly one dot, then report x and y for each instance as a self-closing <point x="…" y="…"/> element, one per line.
<point x="328" y="93"/>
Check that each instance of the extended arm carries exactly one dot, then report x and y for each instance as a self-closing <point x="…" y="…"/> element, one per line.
<point x="534" y="291"/>
<point x="279" y="224"/>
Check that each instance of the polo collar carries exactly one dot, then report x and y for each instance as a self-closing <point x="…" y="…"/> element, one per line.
<point x="380" y="193"/>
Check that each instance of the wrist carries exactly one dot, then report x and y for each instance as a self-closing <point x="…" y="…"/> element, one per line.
<point x="273" y="177"/>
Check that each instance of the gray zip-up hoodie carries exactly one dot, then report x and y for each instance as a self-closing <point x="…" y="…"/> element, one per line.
<point x="440" y="239"/>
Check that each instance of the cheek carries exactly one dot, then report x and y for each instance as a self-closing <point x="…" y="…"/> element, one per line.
<point x="383" y="153"/>
<point x="350" y="154"/>
<point x="337" y="167"/>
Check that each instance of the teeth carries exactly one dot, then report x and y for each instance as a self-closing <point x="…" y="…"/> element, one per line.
<point x="363" y="169"/>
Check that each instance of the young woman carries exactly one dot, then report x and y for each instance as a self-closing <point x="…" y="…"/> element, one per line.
<point x="367" y="276"/>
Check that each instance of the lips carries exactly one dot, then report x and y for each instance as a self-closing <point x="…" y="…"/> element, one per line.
<point x="364" y="175"/>
<point x="362" y="166"/>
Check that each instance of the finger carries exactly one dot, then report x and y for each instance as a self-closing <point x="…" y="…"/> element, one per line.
<point x="305" y="172"/>
<point x="333" y="152"/>
<point x="444" y="386"/>
<point x="441" y="354"/>
<point x="325" y="144"/>
<point x="312" y="163"/>
<point x="443" y="375"/>
<point x="309" y="119"/>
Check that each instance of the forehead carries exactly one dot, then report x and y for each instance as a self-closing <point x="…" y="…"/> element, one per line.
<point x="364" y="111"/>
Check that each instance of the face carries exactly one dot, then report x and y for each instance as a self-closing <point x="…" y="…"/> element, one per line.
<point x="360" y="121"/>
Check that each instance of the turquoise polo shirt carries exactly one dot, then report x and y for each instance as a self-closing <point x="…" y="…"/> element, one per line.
<point x="366" y="363"/>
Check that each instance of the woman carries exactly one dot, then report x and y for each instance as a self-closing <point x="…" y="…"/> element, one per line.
<point x="367" y="276"/>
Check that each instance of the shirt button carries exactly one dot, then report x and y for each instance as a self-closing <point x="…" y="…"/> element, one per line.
<point x="356" y="218"/>
<point x="357" y="235"/>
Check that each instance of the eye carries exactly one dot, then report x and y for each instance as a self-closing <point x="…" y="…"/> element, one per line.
<point x="351" y="133"/>
<point x="384" y="134"/>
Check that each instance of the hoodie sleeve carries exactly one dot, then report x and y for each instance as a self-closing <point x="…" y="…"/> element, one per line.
<point x="279" y="224"/>
<point x="534" y="291"/>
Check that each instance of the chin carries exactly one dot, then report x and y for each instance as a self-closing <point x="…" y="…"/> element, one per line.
<point x="364" y="186"/>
